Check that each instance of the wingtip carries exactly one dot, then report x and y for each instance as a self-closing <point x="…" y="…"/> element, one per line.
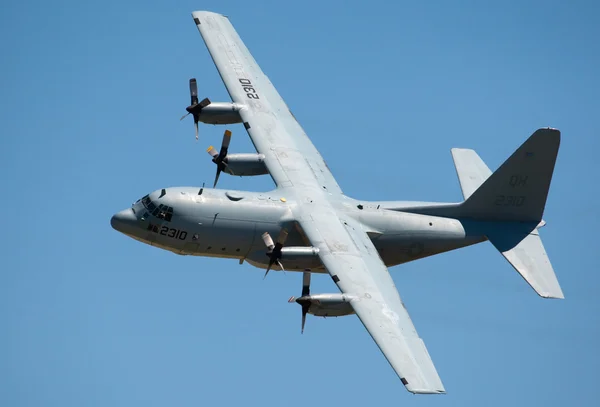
<point x="556" y="296"/>
<point x="439" y="390"/>
<point x="199" y="13"/>
<point x="554" y="293"/>
<point x="426" y="391"/>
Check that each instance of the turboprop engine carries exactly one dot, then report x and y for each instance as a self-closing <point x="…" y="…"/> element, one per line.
<point x="244" y="164"/>
<point x="322" y="305"/>
<point x="326" y="305"/>
<point x="208" y="112"/>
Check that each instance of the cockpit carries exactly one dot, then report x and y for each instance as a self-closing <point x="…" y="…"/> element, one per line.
<point x="159" y="211"/>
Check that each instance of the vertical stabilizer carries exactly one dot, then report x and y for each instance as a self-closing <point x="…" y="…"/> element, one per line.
<point x="507" y="205"/>
<point x="517" y="191"/>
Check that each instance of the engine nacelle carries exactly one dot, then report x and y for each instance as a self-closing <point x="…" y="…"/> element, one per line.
<point x="293" y="258"/>
<point x="220" y="113"/>
<point x="328" y="305"/>
<point x="245" y="164"/>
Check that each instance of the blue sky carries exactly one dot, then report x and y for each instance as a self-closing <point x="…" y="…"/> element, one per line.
<point x="91" y="100"/>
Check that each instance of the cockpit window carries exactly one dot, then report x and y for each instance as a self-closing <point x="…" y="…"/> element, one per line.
<point x="161" y="211"/>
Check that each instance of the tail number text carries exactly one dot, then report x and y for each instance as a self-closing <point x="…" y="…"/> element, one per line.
<point x="509" y="200"/>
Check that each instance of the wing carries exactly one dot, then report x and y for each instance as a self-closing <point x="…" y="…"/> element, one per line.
<point x="290" y="156"/>
<point x="355" y="266"/>
<point x="293" y="161"/>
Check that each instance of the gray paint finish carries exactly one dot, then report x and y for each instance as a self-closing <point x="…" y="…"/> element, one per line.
<point x="320" y="230"/>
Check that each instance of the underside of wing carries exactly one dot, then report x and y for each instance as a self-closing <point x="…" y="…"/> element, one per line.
<point x="355" y="266"/>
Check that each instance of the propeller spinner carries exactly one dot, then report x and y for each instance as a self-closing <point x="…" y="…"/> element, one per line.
<point x="194" y="108"/>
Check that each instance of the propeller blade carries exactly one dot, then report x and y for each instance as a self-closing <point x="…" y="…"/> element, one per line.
<point x="193" y="91"/>
<point x="305" y="283"/>
<point x="217" y="176"/>
<point x="268" y="241"/>
<point x="196" y="126"/>
<point x="205" y="102"/>
<point x="305" y="308"/>
<point x="267" y="272"/>
<point x="226" y="140"/>
<point x="282" y="236"/>
<point x="183" y="117"/>
<point x="224" y="146"/>
<point x="212" y="151"/>
<point x="280" y="265"/>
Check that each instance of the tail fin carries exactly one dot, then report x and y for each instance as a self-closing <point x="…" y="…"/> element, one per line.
<point x="515" y="194"/>
<point x="507" y="206"/>
<point x="516" y="191"/>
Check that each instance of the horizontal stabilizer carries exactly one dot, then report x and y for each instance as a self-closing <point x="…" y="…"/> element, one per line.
<point x="471" y="170"/>
<point x="528" y="256"/>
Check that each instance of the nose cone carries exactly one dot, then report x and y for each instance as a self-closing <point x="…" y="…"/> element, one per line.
<point x="124" y="221"/>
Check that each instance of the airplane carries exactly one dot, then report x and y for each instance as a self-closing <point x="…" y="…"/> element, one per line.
<point x="318" y="229"/>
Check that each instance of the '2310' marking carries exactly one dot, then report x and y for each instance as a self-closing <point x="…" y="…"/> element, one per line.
<point x="248" y="88"/>
<point x="165" y="231"/>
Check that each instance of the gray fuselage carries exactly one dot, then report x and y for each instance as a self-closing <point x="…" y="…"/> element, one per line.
<point x="220" y="223"/>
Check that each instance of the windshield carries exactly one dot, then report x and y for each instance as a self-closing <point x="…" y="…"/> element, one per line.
<point x="161" y="211"/>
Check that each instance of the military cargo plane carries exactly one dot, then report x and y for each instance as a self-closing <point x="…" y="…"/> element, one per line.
<point x="307" y="224"/>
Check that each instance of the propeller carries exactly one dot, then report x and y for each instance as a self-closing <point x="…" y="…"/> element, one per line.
<point x="194" y="108"/>
<point x="274" y="249"/>
<point x="219" y="158"/>
<point x="303" y="301"/>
